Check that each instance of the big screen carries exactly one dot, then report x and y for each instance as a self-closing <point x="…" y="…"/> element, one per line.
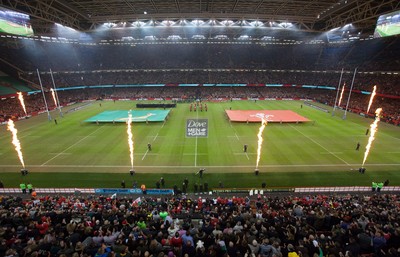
<point x="388" y="25"/>
<point x="15" y="23"/>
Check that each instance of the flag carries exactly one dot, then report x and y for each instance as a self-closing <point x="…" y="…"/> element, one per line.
<point x="136" y="202"/>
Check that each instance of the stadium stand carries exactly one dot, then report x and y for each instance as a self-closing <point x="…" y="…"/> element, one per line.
<point x="280" y="225"/>
<point x="34" y="103"/>
<point x="297" y="63"/>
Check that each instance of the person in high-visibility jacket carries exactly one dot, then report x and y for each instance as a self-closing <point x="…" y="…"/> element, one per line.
<point x="374" y="186"/>
<point x="380" y="186"/>
<point x="30" y="187"/>
<point x="23" y="187"/>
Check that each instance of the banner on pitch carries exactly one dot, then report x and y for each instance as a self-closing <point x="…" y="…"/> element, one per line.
<point x="197" y="128"/>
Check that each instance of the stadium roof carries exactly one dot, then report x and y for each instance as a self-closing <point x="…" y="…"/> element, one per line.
<point x="308" y="15"/>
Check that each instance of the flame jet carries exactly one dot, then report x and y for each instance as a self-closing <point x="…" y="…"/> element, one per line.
<point x="130" y="137"/>
<point x="260" y="138"/>
<point x="54" y="97"/>
<point x="371" y="99"/>
<point x="341" y="94"/>
<point x="15" y="141"/>
<point x="21" y="100"/>
<point x="373" y="128"/>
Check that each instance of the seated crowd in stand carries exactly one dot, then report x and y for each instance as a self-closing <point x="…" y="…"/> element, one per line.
<point x="264" y="226"/>
<point x="386" y="83"/>
<point x="10" y="107"/>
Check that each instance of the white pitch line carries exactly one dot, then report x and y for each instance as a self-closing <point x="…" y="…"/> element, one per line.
<point x="368" y="127"/>
<point x="331" y="152"/>
<point x="195" y="150"/>
<point x="195" y="154"/>
<point x="237" y="137"/>
<point x="23" y="130"/>
<point x="177" y="167"/>
<point x="244" y="154"/>
<point x="320" y="145"/>
<point x="71" y="146"/>
<point x="145" y="154"/>
<point x="155" y="137"/>
<point x="61" y="153"/>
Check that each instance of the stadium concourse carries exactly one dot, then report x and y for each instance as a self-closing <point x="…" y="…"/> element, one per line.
<point x="201" y="225"/>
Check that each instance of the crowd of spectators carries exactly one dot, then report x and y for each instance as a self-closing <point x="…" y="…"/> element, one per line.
<point x="193" y="226"/>
<point x="10" y="107"/>
<point x="386" y="83"/>
<point x="208" y="62"/>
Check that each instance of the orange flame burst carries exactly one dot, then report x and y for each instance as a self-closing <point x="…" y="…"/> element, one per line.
<point x="54" y="97"/>
<point x="373" y="128"/>
<point x="15" y="141"/>
<point x="130" y="137"/>
<point x="260" y="139"/>
<point x="341" y="94"/>
<point x="21" y="100"/>
<point x="371" y="99"/>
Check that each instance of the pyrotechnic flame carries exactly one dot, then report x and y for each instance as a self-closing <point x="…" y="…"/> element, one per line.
<point x="21" y="100"/>
<point x="341" y="94"/>
<point x="54" y="97"/>
<point x="373" y="129"/>
<point x="371" y="99"/>
<point x="260" y="139"/>
<point x="15" y="141"/>
<point x="130" y="137"/>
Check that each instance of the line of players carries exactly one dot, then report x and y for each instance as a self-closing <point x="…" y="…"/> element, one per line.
<point x="193" y="107"/>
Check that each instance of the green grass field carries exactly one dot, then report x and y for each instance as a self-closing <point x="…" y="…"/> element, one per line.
<point x="78" y="154"/>
<point x="388" y="30"/>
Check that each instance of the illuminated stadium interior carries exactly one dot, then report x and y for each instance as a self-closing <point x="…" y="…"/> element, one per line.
<point x="199" y="128"/>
